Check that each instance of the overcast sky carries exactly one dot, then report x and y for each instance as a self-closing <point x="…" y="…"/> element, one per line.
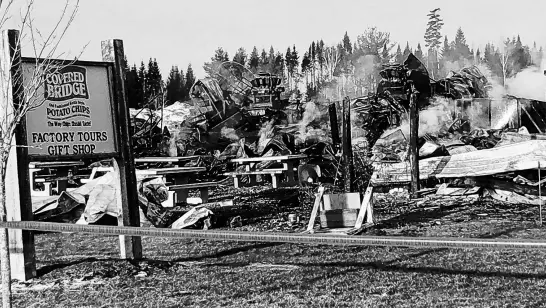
<point x="181" y="32"/>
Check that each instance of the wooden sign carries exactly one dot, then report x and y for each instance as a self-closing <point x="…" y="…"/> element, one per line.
<point x="73" y="117"/>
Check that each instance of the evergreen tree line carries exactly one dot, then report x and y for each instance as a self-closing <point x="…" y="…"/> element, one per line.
<point x="352" y="68"/>
<point x="146" y="88"/>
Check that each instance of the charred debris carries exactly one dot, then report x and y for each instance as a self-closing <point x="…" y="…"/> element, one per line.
<point x="240" y="114"/>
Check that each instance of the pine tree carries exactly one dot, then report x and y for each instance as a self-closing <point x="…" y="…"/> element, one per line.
<point x="174" y="87"/>
<point x="271" y="57"/>
<point x="535" y="60"/>
<point x="279" y="65"/>
<point x="478" y="56"/>
<point x="419" y="52"/>
<point x="240" y="56"/>
<point x="399" y="58"/>
<point x="320" y="57"/>
<point x="295" y="58"/>
<point x="446" y="51"/>
<point x="289" y="65"/>
<point x="385" y="55"/>
<point x="461" y="50"/>
<point x="189" y="81"/>
<point x="142" y="73"/>
<point x="488" y="53"/>
<point x="154" y="83"/>
<point x="347" y="44"/>
<point x="254" y="60"/>
<point x="432" y="39"/>
<point x="305" y="61"/>
<point x="520" y="56"/>
<point x="264" y="60"/>
<point x="220" y="56"/>
<point x="134" y="88"/>
<point x="313" y="55"/>
<point x="407" y="52"/>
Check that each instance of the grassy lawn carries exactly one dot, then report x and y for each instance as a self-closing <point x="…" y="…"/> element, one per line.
<point x="78" y="270"/>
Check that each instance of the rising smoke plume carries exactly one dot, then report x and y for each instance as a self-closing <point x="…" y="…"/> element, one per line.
<point x="229" y="133"/>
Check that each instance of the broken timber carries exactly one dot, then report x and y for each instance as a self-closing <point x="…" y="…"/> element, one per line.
<point x="334" y="126"/>
<point x="348" y="167"/>
<point x="365" y="212"/>
<point x="414" y="136"/>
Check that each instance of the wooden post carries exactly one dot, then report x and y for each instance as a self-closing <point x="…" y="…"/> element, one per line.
<point x="539" y="196"/>
<point x="130" y="246"/>
<point x="314" y="211"/>
<point x="414" y="136"/>
<point x="334" y="126"/>
<point x="348" y="168"/>
<point x="18" y="200"/>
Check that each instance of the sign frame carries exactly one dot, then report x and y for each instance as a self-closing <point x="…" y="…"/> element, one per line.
<point x="18" y="199"/>
<point x="114" y="105"/>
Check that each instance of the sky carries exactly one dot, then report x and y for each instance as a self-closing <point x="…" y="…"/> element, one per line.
<point x="181" y="32"/>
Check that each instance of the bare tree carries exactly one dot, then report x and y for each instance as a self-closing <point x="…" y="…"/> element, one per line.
<point x="13" y="109"/>
<point x="332" y="56"/>
<point x="505" y="60"/>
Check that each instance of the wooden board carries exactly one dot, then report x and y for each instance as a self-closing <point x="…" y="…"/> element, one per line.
<point x="55" y="164"/>
<point x="166" y="159"/>
<point x="193" y="185"/>
<point x="341" y="201"/>
<point x="366" y="209"/>
<point x="314" y="211"/>
<point x="264" y="171"/>
<point x="268" y="158"/>
<point x="175" y="170"/>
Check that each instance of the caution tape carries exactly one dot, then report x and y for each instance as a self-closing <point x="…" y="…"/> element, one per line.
<point x="317" y="239"/>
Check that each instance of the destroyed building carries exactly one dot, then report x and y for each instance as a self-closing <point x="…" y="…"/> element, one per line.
<point x="466" y="138"/>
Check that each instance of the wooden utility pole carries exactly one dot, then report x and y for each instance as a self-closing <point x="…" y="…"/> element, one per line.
<point x="348" y="167"/>
<point x="413" y="142"/>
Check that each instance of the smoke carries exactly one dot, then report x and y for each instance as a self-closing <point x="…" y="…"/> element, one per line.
<point x="266" y="133"/>
<point x="310" y="113"/>
<point x="529" y="83"/>
<point x="455" y="66"/>
<point x="436" y="118"/>
<point x="366" y="66"/>
<point x="229" y="133"/>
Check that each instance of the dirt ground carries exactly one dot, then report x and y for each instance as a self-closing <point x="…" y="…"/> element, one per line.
<point x="78" y="270"/>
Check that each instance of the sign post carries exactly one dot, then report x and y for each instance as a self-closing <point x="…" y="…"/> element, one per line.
<point x="131" y="247"/>
<point x="18" y="202"/>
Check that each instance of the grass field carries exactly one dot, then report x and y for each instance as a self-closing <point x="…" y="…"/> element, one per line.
<point x="77" y="270"/>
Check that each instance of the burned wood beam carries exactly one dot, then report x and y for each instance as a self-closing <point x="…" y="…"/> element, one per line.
<point x="348" y="167"/>
<point x="334" y="126"/>
<point x="532" y="121"/>
<point x="413" y="142"/>
<point x="503" y="185"/>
